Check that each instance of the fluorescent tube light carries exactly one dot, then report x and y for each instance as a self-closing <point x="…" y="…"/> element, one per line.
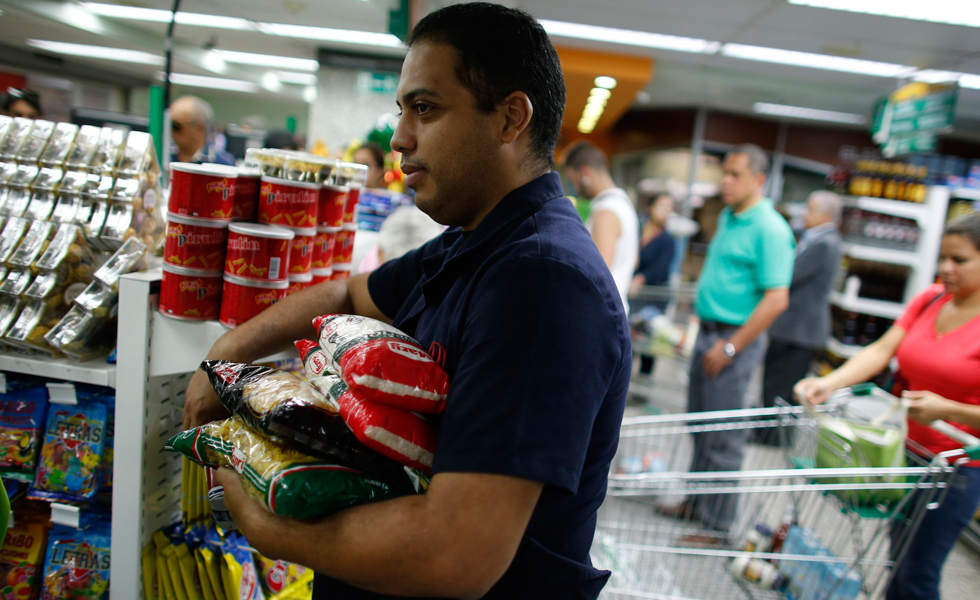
<point x="100" y="52"/>
<point x="813" y="114"/>
<point x="605" y="82"/>
<point x="214" y="62"/>
<point x="600" y="93"/>
<point x="966" y="80"/>
<point x="271" y="82"/>
<point x="297" y="78"/>
<point x="329" y="34"/>
<point x="156" y="15"/>
<point x="950" y="12"/>
<point x="309" y="95"/>
<point x="269" y="60"/>
<point x="629" y="37"/>
<point x="216" y="83"/>
<point x="816" y="61"/>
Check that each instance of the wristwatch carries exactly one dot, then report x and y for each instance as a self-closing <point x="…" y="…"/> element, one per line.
<point x="729" y="349"/>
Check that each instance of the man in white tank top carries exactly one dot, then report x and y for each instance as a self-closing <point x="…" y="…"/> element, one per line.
<point x="612" y="220"/>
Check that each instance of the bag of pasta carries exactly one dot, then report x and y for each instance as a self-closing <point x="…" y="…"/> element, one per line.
<point x="286" y="481"/>
<point x="283" y="406"/>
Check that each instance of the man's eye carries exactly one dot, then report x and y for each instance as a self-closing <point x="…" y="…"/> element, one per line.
<point x="421" y="108"/>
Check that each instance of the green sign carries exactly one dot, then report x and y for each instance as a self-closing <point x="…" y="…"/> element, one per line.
<point x="931" y="113"/>
<point x="897" y="146"/>
<point x="910" y="124"/>
<point x="398" y="19"/>
<point x="370" y="82"/>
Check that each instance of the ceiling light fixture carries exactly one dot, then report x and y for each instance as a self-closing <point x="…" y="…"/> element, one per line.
<point x="215" y="83"/>
<point x="100" y="52"/>
<point x="329" y="34"/>
<point x="813" y="114"/>
<point x="965" y="80"/>
<point x="297" y="78"/>
<point x="156" y="15"/>
<point x="816" y="61"/>
<point x="309" y="94"/>
<point x="269" y="60"/>
<point x="604" y="82"/>
<point x="214" y="62"/>
<point x="270" y="82"/>
<point x="629" y="37"/>
<point x="950" y="12"/>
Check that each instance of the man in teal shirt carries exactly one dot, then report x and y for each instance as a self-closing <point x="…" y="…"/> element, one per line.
<point x="744" y="286"/>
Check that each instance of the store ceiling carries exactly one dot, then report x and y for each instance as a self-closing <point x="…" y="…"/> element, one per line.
<point x="680" y="79"/>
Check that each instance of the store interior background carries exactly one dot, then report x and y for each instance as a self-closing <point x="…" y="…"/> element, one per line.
<point x="685" y="92"/>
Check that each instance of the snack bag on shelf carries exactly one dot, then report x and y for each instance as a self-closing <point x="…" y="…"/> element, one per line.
<point x="10" y="307"/>
<point x="210" y="552"/>
<point x="15" y="134"/>
<point x="33" y="145"/>
<point x="286" y="481"/>
<point x="35" y="242"/>
<point x="77" y="563"/>
<point x="11" y="236"/>
<point x="279" y="577"/>
<point x="59" y="144"/>
<point x="72" y="453"/>
<point x="21" y="427"/>
<point x="138" y="155"/>
<point x="283" y="406"/>
<point x="241" y="579"/>
<point x="403" y="436"/>
<point x="381" y="364"/>
<point x="21" y="561"/>
<point x="135" y="212"/>
<point x="188" y="572"/>
<point x="86" y="144"/>
<point x="148" y="563"/>
<point x="130" y="257"/>
<point x="173" y="584"/>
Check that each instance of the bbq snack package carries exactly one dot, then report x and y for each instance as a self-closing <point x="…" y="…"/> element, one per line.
<point x="382" y="364"/>
<point x="286" y="481"/>
<point x="77" y="563"/>
<point x="21" y="561"/>
<point x="71" y="455"/>
<point x="22" y="411"/>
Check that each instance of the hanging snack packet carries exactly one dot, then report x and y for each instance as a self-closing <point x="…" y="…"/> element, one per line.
<point x="284" y="480"/>
<point x="289" y="409"/>
<point x="77" y="564"/>
<point x="20" y="562"/>
<point x="241" y="577"/>
<point x="188" y="572"/>
<point x="171" y="568"/>
<point x="22" y="411"/>
<point x="381" y="364"/>
<point x="71" y="454"/>
<point x="277" y="575"/>
<point x="148" y="562"/>
<point x="210" y="552"/>
<point x="403" y="436"/>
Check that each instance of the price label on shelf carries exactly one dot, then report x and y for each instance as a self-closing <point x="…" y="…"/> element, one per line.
<point x="62" y="393"/>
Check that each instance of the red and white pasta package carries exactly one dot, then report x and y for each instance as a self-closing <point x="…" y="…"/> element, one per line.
<point x="381" y="364"/>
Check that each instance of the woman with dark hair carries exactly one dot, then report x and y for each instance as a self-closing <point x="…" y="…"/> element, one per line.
<point x="22" y="103"/>
<point x="937" y="344"/>
<point x="371" y="155"/>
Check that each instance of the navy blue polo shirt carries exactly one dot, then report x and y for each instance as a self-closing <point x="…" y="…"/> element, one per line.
<point x="524" y="315"/>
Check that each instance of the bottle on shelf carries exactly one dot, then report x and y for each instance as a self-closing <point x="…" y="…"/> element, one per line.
<point x="893" y="172"/>
<point x="759" y="572"/>
<point x="877" y="178"/>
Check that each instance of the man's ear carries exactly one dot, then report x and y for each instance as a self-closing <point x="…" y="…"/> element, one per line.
<point x="517" y="111"/>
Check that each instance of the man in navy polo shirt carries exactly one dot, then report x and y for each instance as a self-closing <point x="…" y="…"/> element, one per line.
<point x="515" y="302"/>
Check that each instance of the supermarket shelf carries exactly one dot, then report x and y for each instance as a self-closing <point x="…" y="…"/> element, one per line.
<point x="843" y="350"/>
<point x="896" y="208"/>
<point x="96" y="371"/>
<point x="865" y="306"/>
<point x="882" y="255"/>
<point x="965" y="194"/>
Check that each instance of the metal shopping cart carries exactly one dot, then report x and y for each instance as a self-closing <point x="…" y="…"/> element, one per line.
<point x="664" y="325"/>
<point x="844" y="543"/>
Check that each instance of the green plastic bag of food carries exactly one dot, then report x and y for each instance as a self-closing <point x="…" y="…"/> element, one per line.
<point x="284" y="480"/>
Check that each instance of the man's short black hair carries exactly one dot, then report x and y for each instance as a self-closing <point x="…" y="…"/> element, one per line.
<point x="584" y="154"/>
<point x="503" y="50"/>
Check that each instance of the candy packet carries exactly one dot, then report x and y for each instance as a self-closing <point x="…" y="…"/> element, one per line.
<point x="279" y="578"/>
<point x="241" y="580"/>
<point x="72" y="453"/>
<point x="148" y="564"/>
<point x="59" y="145"/>
<point x="22" y="411"/>
<point x="108" y="149"/>
<point x="17" y="131"/>
<point x="86" y="144"/>
<point x="286" y="481"/>
<point x="77" y="563"/>
<point x="35" y="141"/>
<point x="21" y="561"/>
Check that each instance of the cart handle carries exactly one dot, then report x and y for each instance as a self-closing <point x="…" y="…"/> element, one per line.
<point x="971" y="444"/>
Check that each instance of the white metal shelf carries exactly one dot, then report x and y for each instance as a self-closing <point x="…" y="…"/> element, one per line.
<point x="895" y="208"/>
<point x="966" y="194"/>
<point x="866" y="306"/>
<point x="95" y="372"/>
<point x="879" y="254"/>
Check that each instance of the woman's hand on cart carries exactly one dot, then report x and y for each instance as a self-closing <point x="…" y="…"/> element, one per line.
<point x="926" y="407"/>
<point x="814" y="390"/>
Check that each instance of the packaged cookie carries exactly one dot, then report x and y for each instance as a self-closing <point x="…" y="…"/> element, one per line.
<point x="28" y="330"/>
<point x="16" y="202"/>
<point x="93" y="229"/>
<point x="4" y="124"/>
<point x="77" y="563"/>
<point x="10" y="307"/>
<point x="24" y="176"/>
<point x="66" y="209"/>
<point x="33" y="145"/>
<point x="59" y="145"/>
<point x="107" y="152"/>
<point x="48" y="179"/>
<point x="68" y="248"/>
<point x="86" y="144"/>
<point x="35" y="242"/>
<point x="16" y="133"/>
<point x="71" y="454"/>
<point x="11" y="236"/>
<point x="16" y="282"/>
<point x="130" y="257"/>
<point x="74" y="183"/>
<point x="83" y="335"/>
<point x="41" y="206"/>
<point x="138" y="155"/>
<point x="98" y="299"/>
<point x="118" y="225"/>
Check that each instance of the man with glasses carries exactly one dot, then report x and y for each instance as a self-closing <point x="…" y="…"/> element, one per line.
<point x="191" y="124"/>
<point x="22" y="103"/>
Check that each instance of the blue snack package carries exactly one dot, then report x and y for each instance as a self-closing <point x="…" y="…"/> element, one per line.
<point x="77" y="563"/>
<point x="22" y="410"/>
<point x="72" y="453"/>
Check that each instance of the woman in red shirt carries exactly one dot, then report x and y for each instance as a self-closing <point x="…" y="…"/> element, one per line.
<point x="937" y="343"/>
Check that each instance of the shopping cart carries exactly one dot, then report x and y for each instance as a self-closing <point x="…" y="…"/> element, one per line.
<point x="664" y="324"/>
<point x="841" y="548"/>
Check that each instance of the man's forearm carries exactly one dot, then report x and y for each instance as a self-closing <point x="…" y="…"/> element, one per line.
<point x="765" y="313"/>
<point x="276" y="328"/>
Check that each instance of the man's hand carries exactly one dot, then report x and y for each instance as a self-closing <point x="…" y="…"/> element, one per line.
<point x="927" y="407"/>
<point x="715" y="360"/>
<point x="245" y="511"/>
<point x="201" y="404"/>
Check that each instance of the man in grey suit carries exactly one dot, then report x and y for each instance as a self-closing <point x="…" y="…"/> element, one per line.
<point x="798" y="333"/>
